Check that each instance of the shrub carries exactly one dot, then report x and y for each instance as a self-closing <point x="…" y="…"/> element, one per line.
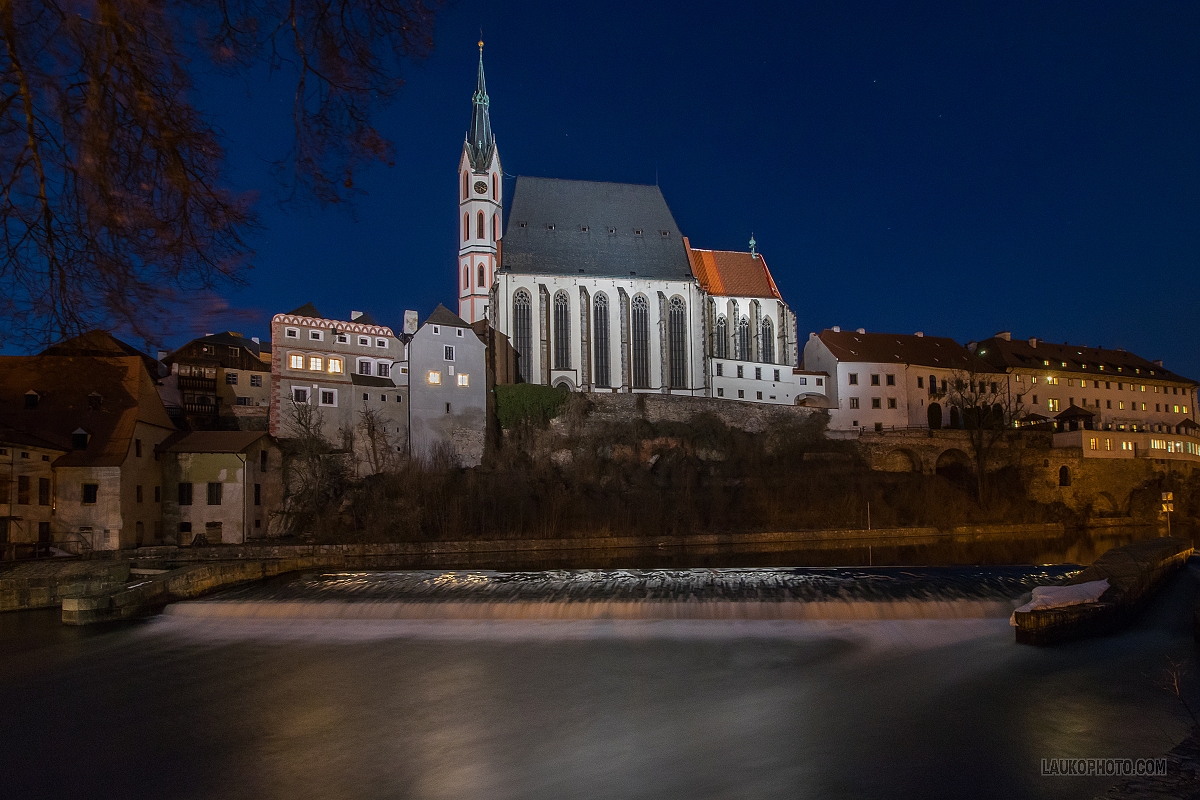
<point x="531" y="404"/>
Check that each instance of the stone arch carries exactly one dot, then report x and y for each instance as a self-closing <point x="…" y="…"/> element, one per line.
<point x="954" y="464"/>
<point x="900" y="460"/>
<point x="564" y="384"/>
<point x="1064" y="475"/>
<point x="934" y="414"/>
<point x="1105" y="505"/>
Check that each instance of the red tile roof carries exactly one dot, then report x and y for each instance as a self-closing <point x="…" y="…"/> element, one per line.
<point x="106" y="397"/>
<point x="900" y="348"/>
<point x="728" y="273"/>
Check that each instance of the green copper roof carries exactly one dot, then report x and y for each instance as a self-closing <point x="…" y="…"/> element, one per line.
<point x="481" y="144"/>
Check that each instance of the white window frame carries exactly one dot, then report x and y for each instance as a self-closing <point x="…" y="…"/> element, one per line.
<point x="364" y="341"/>
<point x="321" y="397"/>
<point x="320" y="367"/>
<point x="382" y="343"/>
<point x="383" y="369"/>
<point x="292" y="360"/>
<point x="437" y="330"/>
<point x="433" y="378"/>
<point x="316" y="336"/>
<point x="291" y="333"/>
<point x="343" y="338"/>
<point x="464" y="379"/>
<point x="329" y="362"/>
<point x="307" y="396"/>
<point x="458" y="332"/>
<point x="448" y="352"/>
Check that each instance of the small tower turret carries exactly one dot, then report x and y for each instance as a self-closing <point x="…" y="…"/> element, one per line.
<point x="480" y="206"/>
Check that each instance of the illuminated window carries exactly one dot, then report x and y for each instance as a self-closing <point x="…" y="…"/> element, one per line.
<point x="1093" y="443"/>
<point x="1052" y="381"/>
<point x="434" y="378"/>
<point x="296" y="361"/>
<point x="335" y="365"/>
<point x="1121" y="405"/>
<point x="315" y="363"/>
<point x="463" y="379"/>
<point x="1052" y="404"/>
<point x="1108" y="444"/>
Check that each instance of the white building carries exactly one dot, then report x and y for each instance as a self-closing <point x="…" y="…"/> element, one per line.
<point x="598" y="290"/>
<point x="885" y="381"/>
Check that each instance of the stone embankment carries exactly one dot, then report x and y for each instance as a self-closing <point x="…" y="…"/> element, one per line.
<point x="156" y="590"/>
<point x="44" y="584"/>
<point x="1134" y="572"/>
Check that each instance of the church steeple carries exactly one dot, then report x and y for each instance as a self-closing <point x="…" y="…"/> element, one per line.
<point x="480" y="141"/>
<point x="480" y="205"/>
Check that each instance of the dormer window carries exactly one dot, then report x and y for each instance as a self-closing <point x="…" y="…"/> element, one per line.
<point x="79" y="439"/>
<point x="637" y="231"/>
<point x="584" y="229"/>
<point x="665" y="234"/>
<point x="550" y="227"/>
<point x="31" y="399"/>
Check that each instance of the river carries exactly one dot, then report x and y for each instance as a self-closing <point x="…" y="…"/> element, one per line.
<point x="210" y="700"/>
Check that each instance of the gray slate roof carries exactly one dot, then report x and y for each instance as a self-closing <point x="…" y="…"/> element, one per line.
<point x="545" y="232"/>
<point x="444" y="316"/>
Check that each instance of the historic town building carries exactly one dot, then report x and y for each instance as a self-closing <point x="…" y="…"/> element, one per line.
<point x="888" y="381"/>
<point x="597" y="289"/>
<point x="220" y="380"/>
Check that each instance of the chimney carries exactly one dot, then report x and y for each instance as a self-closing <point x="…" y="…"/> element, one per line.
<point x="919" y="334"/>
<point x="355" y="315"/>
<point x="1005" y="335"/>
<point x="836" y="329"/>
<point x="812" y="335"/>
<point x="1158" y="362"/>
<point x="1033" y="341"/>
<point x="972" y="346"/>
<point x="861" y="330"/>
<point x="162" y="354"/>
<point x="255" y="340"/>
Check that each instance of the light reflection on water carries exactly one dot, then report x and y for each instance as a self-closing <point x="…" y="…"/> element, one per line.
<point x="207" y="707"/>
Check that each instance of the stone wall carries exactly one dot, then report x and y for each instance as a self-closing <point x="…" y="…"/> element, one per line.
<point x="599" y="409"/>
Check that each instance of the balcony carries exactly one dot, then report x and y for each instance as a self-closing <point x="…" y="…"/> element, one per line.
<point x="189" y="383"/>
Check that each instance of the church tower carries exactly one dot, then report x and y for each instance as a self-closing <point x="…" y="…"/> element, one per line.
<point x="480" y="192"/>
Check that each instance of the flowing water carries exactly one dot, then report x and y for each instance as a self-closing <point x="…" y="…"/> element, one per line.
<point x="363" y="685"/>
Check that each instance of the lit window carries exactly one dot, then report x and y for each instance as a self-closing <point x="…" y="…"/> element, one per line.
<point x="292" y="333"/>
<point x="1094" y="443"/>
<point x="434" y="378"/>
<point x="463" y="379"/>
<point x="296" y="361"/>
<point x="1108" y="444"/>
<point x="315" y="363"/>
<point x="335" y="365"/>
<point x="1052" y="404"/>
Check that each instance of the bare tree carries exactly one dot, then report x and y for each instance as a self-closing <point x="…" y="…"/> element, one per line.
<point x="315" y="476"/>
<point x="378" y="449"/>
<point x="987" y="408"/>
<point x="113" y="197"/>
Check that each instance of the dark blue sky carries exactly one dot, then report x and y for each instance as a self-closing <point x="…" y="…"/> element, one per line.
<point x="958" y="169"/>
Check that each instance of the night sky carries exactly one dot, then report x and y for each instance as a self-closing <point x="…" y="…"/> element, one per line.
<point x="958" y="169"/>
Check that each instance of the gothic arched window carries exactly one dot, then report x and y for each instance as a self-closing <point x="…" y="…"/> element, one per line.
<point x="481" y="283"/>
<point x="743" y="340"/>
<point x="562" y="331"/>
<point x="677" y="331"/>
<point x="721" y="339"/>
<point x="641" y="342"/>
<point x="466" y="227"/>
<point x="523" y="331"/>
<point x="479" y="234"/>
<point x="466" y="278"/>
<point x="493" y="186"/>
<point x="466" y="186"/>
<point x="495" y="227"/>
<point x="600" y="325"/>
<point x="766" y="341"/>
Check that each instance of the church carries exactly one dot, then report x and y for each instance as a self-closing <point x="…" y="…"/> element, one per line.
<point x="599" y="291"/>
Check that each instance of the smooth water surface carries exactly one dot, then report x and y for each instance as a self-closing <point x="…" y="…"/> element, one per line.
<point x="197" y="707"/>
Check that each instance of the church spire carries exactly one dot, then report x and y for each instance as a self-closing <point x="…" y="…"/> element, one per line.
<point x="481" y="144"/>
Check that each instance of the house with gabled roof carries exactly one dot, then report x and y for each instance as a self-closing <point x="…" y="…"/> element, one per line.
<point x="220" y="380"/>
<point x="886" y="381"/>
<point x="105" y="414"/>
